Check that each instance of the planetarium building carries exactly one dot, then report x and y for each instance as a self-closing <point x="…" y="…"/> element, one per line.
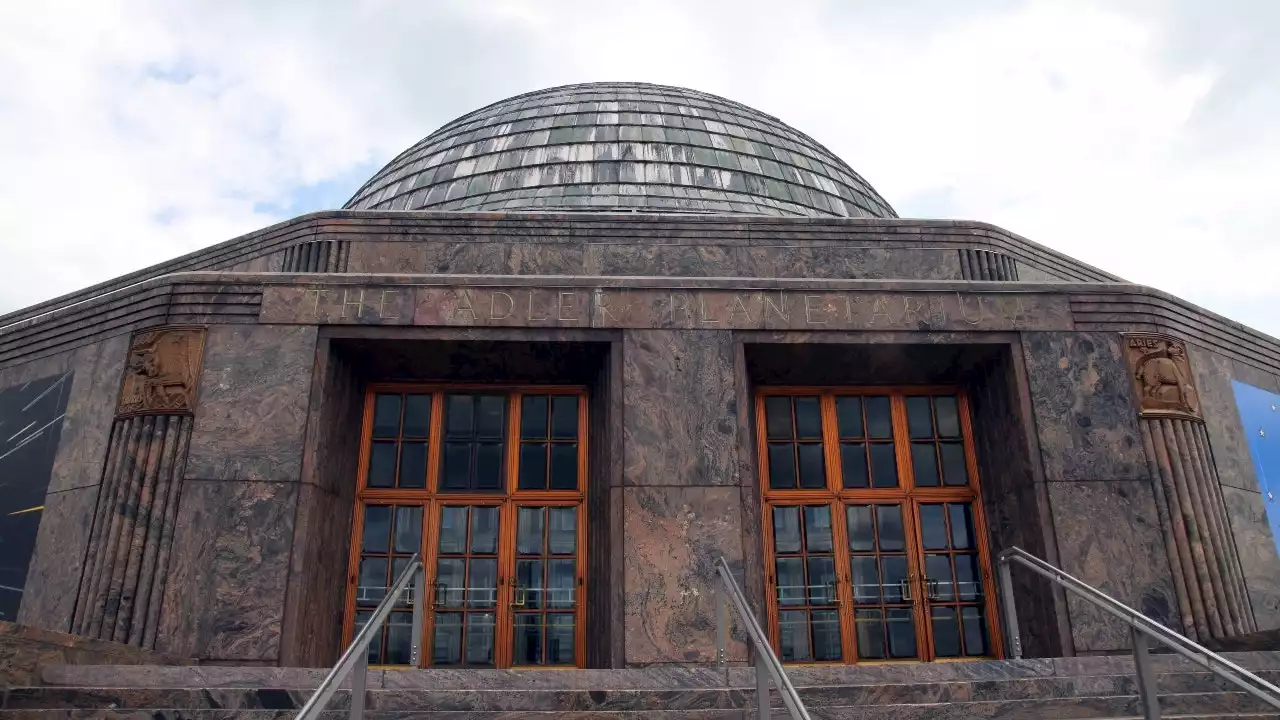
<point x="575" y="347"/>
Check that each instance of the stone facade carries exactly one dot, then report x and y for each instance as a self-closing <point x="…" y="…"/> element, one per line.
<point x="208" y="495"/>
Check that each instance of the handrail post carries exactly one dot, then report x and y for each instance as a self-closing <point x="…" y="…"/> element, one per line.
<point x="1147" y="689"/>
<point x="1010" y="612"/>
<point x="763" y="711"/>
<point x="359" y="674"/>
<point x="722" y="626"/>
<point x="419" y="600"/>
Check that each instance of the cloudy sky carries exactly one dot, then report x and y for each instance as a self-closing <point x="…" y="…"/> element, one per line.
<point x="1138" y="135"/>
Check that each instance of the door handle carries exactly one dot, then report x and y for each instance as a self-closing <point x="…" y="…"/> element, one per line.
<point x="904" y="587"/>
<point x="931" y="589"/>
<point x="520" y="596"/>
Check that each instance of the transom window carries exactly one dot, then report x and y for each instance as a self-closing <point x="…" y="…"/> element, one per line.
<point x="487" y="484"/>
<point x="873" y="526"/>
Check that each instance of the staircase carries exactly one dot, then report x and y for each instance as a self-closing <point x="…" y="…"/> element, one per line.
<point x="1093" y="687"/>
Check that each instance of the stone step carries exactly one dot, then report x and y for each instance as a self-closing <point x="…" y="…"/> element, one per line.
<point x="565" y="700"/>
<point x="123" y="676"/>
<point x="1041" y="711"/>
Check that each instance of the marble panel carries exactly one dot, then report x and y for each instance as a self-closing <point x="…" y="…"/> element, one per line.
<point x="1084" y="411"/>
<point x="1109" y="536"/>
<point x="674" y="536"/>
<point x="1213" y="375"/>
<point x="317" y="579"/>
<point x="680" y="412"/>
<point x="86" y="428"/>
<point x="1257" y="549"/>
<point x="431" y="257"/>
<point x="27" y="653"/>
<point x="225" y="595"/>
<point x="545" y="259"/>
<point x="53" y="577"/>
<point x="252" y="410"/>
<point x="1247" y="373"/>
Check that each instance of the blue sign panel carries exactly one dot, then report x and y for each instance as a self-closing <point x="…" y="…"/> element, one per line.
<point x="1260" y="413"/>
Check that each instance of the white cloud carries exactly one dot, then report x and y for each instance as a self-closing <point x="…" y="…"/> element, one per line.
<point x="1135" y="136"/>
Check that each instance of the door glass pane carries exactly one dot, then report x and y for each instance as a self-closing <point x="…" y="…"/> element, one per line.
<point x="889" y="527"/>
<point x="879" y="419"/>
<point x="533" y="417"/>
<point x="865" y="577"/>
<point x="399" y="639"/>
<point x="446" y="645"/>
<point x="382" y="465"/>
<point x="408" y="530"/>
<point x="954" y="470"/>
<point x="976" y="640"/>
<point x="849" y="416"/>
<point x="896" y="576"/>
<point x="933" y="527"/>
<point x="791" y="590"/>
<point x="417" y="416"/>
<point x="946" y="634"/>
<point x="808" y="418"/>
<point x="902" y="633"/>
<point x="562" y="538"/>
<point x="793" y="636"/>
<point x="826" y="635"/>
<point x="948" y="415"/>
<point x="453" y="529"/>
<point x="938" y="576"/>
<point x="782" y="466"/>
<point x="853" y="465"/>
<point x="560" y="639"/>
<point x="968" y="577"/>
<point x="870" y="632"/>
<point x="777" y="413"/>
<point x="377" y="528"/>
<point x="564" y="466"/>
<point x="822" y="580"/>
<point x="861" y="529"/>
<point x="564" y="417"/>
<point x="786" y="529"/>
<point x="962" y="535"/>
<point x="813" y="469"/>
<point x="533" y="466"/>
<point x="919" y="417"/>
<point x="479" y="639"/>
<point x="924" y="464"/>
<point x="529" y="524"/>
<point x="484" y="530"/>
<point x="413" y="465"/>
<point x="817" y="528"/>
<point x="884" y="465"/>
<point x="386" y="416"/>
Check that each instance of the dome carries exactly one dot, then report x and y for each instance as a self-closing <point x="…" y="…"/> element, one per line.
<point x="608" y="147"/>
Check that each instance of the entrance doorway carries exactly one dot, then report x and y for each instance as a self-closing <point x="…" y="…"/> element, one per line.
<point x="873" y="526"/>
<point x="487" y="484"/>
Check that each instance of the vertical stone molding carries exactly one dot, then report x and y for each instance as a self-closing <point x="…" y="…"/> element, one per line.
<point x="1206" y="565"/>
<point x="986" y="265"/>
<point x="317" y="256"/>
<point x="122" y="585"/>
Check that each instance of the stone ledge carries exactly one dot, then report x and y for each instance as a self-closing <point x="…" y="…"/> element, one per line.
<point x="26" y="652"/>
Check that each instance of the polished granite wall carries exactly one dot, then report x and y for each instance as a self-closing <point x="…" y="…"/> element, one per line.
<point x="260" y="548"/>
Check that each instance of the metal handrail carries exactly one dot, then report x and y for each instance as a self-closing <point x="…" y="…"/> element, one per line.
<point x="767" y="663"/>
<point x="356" y="657"/>
<point x="1141" y="627"/>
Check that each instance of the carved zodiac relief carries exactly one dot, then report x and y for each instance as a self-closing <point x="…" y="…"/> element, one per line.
<point x="162" y="371"/>
<point x="1161" y="374"/>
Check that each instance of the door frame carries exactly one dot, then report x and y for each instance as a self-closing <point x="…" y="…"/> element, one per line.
<point x="905" y="494"/>
<point x="511" y="498"/>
